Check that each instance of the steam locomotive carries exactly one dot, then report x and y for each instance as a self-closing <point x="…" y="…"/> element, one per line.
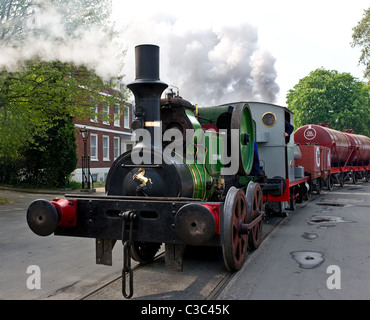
<point x="187" y="181"/>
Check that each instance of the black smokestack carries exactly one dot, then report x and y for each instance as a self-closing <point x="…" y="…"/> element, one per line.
<point x="147" y="63"/>
<point x="147" y="88"/>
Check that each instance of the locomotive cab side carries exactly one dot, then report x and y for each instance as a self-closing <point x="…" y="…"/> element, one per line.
<point x="283" y="184"/>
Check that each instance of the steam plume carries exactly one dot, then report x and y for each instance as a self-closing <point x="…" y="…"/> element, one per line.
<point x="44" y="34"/>
<point x="209" y="65"/>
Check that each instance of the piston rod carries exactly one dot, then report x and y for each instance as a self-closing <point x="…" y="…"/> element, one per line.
<point x="245" y="228"/>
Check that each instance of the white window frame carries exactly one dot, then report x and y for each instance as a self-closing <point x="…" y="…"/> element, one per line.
<point x="94" y="110"/>
<point x="106" y="158"/>
<point x="93" y="158"/>
<point x="126" y="118"/>
<point x="116" y="147"/>
<point x="105" y="112"/>
<point x="117" y="116"/>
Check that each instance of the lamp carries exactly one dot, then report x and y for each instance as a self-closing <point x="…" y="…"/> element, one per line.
<point x="85" y="133"/>
<point x="85" y="160"/>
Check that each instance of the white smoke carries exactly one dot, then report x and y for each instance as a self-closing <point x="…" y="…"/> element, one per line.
<point x="264" y="76"/>
<point x="45" y="36"/>
<point x="210" y="65"/>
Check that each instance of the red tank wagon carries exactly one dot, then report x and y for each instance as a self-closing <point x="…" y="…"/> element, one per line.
<point x="349" y="153"/>
<point x="361" y="147"/>
<point x="316" y="161"/>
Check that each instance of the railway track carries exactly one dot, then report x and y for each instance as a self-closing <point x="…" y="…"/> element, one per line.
<point x="267" y="229"/>
<point x="202" y="279"/>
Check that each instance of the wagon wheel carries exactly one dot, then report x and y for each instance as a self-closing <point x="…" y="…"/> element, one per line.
<point x="293" y="200"/>
<point x="341" y="179"/>
<point x="330" y="182"/>
<point x="318" y="186"/>
<point x="308" y="192"/>
<point x="254" y="209"/>
<point x="144" y="252"/>
<point x="235" y="245"/>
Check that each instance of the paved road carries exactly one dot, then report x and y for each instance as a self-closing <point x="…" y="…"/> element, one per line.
<point x="292" y="263"/>
<point x="320" y="252"/>
<point x="67" y="265"/>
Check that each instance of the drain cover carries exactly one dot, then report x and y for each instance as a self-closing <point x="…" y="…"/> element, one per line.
<point x="308" y="259"/>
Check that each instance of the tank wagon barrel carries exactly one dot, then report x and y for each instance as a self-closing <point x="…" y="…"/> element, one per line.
<point x="336" y="141"/>
<point x="350" y="153"/>
<point x="361" y="146"/>
<point x="346" y="148"/>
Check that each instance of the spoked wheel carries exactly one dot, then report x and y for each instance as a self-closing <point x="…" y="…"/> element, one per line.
<point x="144" y="252"/>
<point x="254" y="209"/>
<point x="235" y="244"/>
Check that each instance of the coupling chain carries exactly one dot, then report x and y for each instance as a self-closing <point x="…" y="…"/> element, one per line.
<point x="127" y="218"/>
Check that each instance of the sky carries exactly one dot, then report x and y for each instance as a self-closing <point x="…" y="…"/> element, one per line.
<point x="223" y="51"/>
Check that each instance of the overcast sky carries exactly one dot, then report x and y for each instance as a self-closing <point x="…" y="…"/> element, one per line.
<point x="223" y="51"/>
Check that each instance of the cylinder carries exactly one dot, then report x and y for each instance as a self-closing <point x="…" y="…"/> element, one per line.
<point x="234" y="116"/>
<point x="147" y="62"/>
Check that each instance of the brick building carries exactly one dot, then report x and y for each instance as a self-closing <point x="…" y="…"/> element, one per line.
<point x="106" y="141"/>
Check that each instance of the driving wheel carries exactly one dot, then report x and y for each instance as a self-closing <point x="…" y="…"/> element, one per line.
<point x="235" y="244"/>
<point x="254" y="209"/>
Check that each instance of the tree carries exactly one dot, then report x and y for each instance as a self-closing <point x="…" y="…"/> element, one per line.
<point x="19" y="19"/>
<point x="361" y="38"/>
<point x="51" y="164"/>
<point x="329" y="96"/>
<point x="36" y="95"/>
<point x="41" y="93"/>
<point x="13" y="18"/>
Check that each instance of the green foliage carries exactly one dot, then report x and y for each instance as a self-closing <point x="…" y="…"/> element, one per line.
<point x="18" y="18"/>
<point x="50" y="160"/>
<point x="79" y="14"/>
<point x="39" y="97"/>
<point x="5" y="201"/>
<point x="361" y="38"/>
<point x="40" y="93"/>
<point x="326" y="96"/>
<point x="13" y="18"/>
